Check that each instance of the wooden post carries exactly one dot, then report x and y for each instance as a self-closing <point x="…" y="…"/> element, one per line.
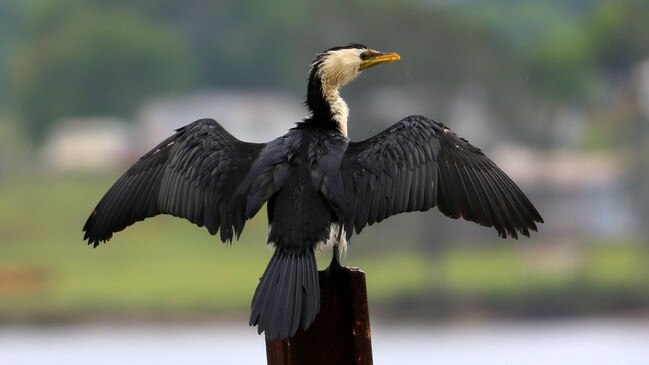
<point x="340" y="333"/>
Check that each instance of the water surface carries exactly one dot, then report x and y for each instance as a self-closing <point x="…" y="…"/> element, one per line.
<point x="592" y="342"/>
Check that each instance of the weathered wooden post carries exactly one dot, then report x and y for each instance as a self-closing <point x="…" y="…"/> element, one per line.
<point x="340" y="333"/>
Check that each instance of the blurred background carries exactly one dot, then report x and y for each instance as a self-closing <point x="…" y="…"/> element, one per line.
<point x="555" y="92"/>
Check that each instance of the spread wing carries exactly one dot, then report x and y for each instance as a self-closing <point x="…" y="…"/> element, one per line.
<point x="418" y="164"/>
<point x="192" y="174"/>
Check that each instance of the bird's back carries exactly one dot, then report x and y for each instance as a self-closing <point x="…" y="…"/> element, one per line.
<point x="300" y="218"/>
<point x="299" y="214"/>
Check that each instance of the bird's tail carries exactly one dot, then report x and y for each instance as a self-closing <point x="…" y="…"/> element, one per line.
<point x="288" y="295"/>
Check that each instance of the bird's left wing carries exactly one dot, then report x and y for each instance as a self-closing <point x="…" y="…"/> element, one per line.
<point x="192" y="174"/>
<point x="417" y="164"/>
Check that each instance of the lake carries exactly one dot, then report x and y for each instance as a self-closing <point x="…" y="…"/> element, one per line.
<point x="591" y="342"/>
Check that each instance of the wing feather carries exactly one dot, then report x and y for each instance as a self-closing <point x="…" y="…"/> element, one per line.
<point x="418" y="164"/>
<point x="193" y="174"/>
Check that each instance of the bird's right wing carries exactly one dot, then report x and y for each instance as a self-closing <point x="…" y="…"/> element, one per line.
<point x="417" y="164"/>
<point x="192" y="174"/>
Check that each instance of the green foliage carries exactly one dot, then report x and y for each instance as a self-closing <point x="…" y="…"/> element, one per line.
<point x="70" y="57"/>
<point x="93" y="60"/>
<point x="561" y="67"/>
<point x="620" y="31"/>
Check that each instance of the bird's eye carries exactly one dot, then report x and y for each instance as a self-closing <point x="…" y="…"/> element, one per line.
<point x="365" y="56"/>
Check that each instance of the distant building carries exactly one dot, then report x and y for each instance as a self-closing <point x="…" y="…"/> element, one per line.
<point x="100" y="144"/>
<point x="254" y="116"/>
<point x="575" y="192"/>
<point x="87" y="144"/>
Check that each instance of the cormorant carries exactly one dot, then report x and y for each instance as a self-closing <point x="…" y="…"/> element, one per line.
<point x="319" y="187"/>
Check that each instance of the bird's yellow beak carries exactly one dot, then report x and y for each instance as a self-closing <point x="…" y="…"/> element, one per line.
<point x="378" y="57"/>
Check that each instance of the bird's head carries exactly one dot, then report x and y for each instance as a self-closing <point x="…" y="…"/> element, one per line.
<point x="338" y="66"/>
<point x="332" y="69"/>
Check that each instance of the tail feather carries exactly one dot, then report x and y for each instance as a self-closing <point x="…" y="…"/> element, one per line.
<point x="288" y="295"/>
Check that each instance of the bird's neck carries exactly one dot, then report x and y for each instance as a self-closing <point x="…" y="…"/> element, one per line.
<point x="338" y="107"/>
<point x="327" y="107"/>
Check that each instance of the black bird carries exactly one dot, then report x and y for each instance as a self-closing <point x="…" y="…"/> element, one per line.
<point x="319" y="187"/>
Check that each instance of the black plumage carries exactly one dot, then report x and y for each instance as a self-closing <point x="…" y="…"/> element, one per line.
<point x="319" y="187"/>
<point x="191" y="175"/>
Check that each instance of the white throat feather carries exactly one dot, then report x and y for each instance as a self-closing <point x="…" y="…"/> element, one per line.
<point x="336" y="70"/>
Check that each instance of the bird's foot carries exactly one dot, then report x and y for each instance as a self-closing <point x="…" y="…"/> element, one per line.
<point x="333" y="268"/>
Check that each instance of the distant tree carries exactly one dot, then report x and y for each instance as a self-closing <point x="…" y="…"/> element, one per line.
<point x="561" y="68"/>
<point x="8" y="26"/>
<point x="92" y="60"/>
<point x="620" y="33"/>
